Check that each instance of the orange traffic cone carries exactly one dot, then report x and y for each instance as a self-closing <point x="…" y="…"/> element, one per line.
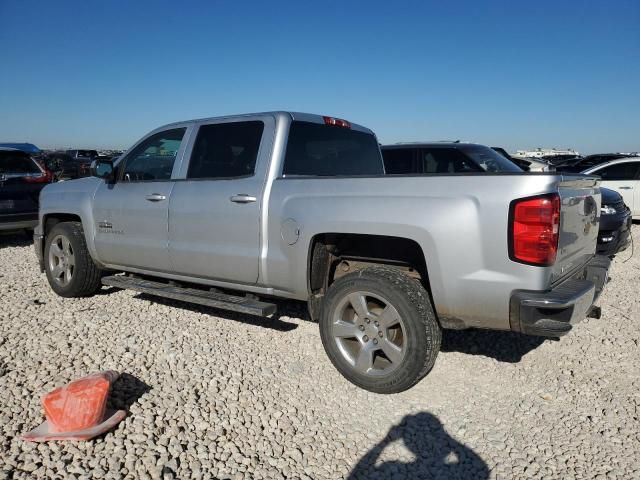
<point x="77" y="411"/>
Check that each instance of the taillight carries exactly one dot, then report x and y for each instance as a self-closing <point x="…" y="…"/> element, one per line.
<point x="533" y="234"/>
<point x="44" y="177"/>
<point x="336" y="122"/>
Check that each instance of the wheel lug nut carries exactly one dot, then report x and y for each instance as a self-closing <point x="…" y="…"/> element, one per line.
<point x="376" y="323"/>
<point x="367" y="320"/>
<point x="375" y="341"/>
<point x="380" y="334"/>
<point x="365" y="338"/>
<point x="361" y="327"/>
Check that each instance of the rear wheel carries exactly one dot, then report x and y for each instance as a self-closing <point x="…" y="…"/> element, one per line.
<point x="379" y="329"/>
<point x="70" y="269"/>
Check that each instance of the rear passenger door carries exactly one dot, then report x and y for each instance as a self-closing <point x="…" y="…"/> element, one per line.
<point x="214" y="213"/>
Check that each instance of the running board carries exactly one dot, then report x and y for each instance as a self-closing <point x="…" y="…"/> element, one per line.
<point x="192" y="295"/>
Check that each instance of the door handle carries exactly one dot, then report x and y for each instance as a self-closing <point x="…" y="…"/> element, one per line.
<point x="242" y="198"/>
<point x="155" y="197"/>
<point x="626" y="188"/>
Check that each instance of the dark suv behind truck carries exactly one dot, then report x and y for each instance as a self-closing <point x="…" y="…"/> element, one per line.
<point x="445" y="158"/>
<point x="21" y="179"/>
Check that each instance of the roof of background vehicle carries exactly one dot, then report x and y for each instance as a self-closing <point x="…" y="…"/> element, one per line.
<point x="23" y="147"/>
<point x="300" y="116"/>
<point x="443" y="143"/>
<point x="612" y="162"/>
<point x="9" y="149"/>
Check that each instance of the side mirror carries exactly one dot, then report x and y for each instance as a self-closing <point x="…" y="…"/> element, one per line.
<point x="102" y="169"/>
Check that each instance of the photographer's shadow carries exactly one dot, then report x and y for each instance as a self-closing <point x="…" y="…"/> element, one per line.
<point x="437" y="455"/>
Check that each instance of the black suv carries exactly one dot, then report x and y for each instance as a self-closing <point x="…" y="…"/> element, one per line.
<point x="21" y="179"/>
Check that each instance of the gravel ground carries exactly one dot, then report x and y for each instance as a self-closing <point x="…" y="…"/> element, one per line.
<point x="217" y="395"/>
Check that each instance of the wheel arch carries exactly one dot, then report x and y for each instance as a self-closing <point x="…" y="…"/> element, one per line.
<point x="332" y="255"/>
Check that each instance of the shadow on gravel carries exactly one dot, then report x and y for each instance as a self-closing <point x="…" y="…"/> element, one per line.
<point x="126" y="391"/>
<point x="437" y="455"/>
<point x="274" y="322"/>
<point x="506" y="347"/>
<point x="16" y="239"/>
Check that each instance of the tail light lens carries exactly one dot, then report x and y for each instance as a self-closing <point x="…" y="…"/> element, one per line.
<point x="44" y="177"/>
<point x="533" y="235"/>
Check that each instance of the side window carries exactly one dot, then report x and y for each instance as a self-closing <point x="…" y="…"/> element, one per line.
<point x="226" y="150"/>
<point x="398" y="161"/>
<point x="153" y="159"/>
<point x="445" y="160"/>
<point x="621" y="171"/>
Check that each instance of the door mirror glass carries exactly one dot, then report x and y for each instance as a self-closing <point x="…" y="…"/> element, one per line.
<point x="102" y="169"/>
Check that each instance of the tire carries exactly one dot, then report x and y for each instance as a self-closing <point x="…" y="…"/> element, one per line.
<point x="66" y="248"/>
<point x="383" y="350"/>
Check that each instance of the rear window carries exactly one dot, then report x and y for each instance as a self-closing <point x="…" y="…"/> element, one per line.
<point x="321" y="150"/>
<point x="16" y="163"/>
<point x="488" y="159"/>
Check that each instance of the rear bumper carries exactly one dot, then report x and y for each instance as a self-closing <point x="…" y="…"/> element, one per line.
<point x="554" y="312"/>
<point x="18" y="221"/>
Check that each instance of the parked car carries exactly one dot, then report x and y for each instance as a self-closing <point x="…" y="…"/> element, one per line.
<point x="24" y="147"/>
<point x="614" y="233"/>
<point x="298" y="206"/>
<point x="81" y="160"/>
<point x="582" y="163"/>
<point x="21" y="179"/>
<point x="623" y="176"/>
<point x="443" y="157"/>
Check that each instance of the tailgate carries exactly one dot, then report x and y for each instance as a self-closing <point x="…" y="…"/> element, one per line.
<point x="18" y="197"/>
<point x="579" y="222"/>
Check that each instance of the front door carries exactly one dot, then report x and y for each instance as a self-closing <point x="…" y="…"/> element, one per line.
<point x="131" y="214"/>
<point x="214" y="213"/>
<point x="624" y="179"/>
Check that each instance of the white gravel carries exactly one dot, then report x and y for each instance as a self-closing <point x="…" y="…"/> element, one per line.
<point x="219" y="395"/>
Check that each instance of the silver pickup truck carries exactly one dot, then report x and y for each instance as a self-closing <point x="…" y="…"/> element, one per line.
<point x="233" y="211"/>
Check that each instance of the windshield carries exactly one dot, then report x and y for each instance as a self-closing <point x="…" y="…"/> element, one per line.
<point x="17" y="163"/>
<point x="488" y="159"/>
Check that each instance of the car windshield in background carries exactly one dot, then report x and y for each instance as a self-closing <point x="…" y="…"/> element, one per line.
<point x="87" y="153"/>
<point x="488" y="159"/>
<point x="321" y="150"/>
<point x="16" y="163"/>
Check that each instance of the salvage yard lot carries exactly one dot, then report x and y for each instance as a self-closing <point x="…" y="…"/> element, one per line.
<point x="223" y="395"/>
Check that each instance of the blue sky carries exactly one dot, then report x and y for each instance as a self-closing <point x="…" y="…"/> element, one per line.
<point x="519" y="74"/>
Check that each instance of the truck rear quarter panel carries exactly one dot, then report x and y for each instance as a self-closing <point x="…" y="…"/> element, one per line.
<point x="460" y="222"/>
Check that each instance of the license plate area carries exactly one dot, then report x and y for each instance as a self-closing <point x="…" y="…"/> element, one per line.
<point x="7" y="204"/>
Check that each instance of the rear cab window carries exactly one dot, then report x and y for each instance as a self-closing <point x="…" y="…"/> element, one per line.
<point x="17" y="163"/>
<point x="315" y="149"/>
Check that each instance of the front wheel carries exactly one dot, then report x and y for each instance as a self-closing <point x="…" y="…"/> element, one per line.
<point x="70" y="269"/>
<point x="379" y="329"/>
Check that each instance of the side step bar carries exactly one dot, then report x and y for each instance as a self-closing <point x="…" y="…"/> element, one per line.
<point x="192" y="295"/>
